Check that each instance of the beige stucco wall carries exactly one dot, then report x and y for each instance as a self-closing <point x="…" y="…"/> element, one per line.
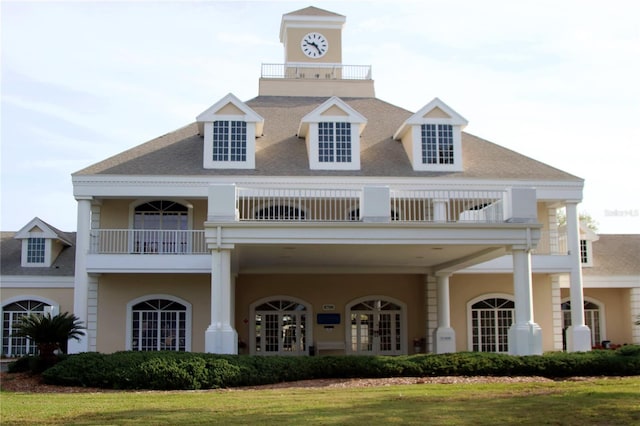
<point x="337" y="290"/>
<point x="62" y="296"/>
<point x="116" y="214"/>
<point x="617" y="313"/>
<point x="466" y="287"/>
<point x="115" y="291"/>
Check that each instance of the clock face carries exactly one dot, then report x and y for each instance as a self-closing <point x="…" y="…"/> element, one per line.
<point x="314" y="45"/>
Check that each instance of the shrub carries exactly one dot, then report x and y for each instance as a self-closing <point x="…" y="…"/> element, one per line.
<point x="181" y="370"/>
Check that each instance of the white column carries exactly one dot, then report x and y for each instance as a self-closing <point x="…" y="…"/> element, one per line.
<point x="525" y="336"/>
<point x="578" y="334"/>
<point x="81" y="280"/>
<point x="221" y="337"/>
<point x="431" y="310"/>
<point x="440" y="209"/>
<point x="445" y="336"/>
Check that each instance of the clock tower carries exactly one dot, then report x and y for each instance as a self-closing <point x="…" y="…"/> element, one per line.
<point x="312" y="35"/>
<point x="312" y="40"/>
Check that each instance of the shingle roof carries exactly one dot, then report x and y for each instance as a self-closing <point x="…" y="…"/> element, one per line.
<point x="615" y="254"/>
<point x="11" y="255"/>
<point x="279" y="152"/>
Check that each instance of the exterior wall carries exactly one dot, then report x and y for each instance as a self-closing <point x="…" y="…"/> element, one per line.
<point x="337" y="290"/>
<point x="466" y="287"/>
<point x="115" y="291"/>
<point x="617" y="312"/>
<point x="62" y="296"/>
<point x="116" y="214"/>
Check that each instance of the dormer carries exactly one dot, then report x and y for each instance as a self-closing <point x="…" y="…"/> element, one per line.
<point x="432" y="138"/>
<point x="587" y="237"/>
<point x="332" y="135"/>
<point x="230" y="129"/>
<point x="41" y="243"/>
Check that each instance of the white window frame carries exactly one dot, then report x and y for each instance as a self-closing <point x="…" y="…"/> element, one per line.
<point x="134" y="302"/>
<point x="601" y="319"/>
<point x="403" y="325"/>
<point x="308" y="332"/>
<point x="51" y="306"/>
<point x="314" y="147"/>
<point x="480" y="298"/>
<point x="47" y="251"/>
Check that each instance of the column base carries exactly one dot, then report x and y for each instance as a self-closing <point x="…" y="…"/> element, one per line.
<point x="578" y="338"/>
<point x="444" y="340"/>
<point x="221" y="339"/>
<point x="525" y="339"/>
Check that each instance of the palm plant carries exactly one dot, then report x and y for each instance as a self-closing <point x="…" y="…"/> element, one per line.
<point x="49" y="333"/>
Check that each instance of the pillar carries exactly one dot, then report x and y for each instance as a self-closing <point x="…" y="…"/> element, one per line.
<point x="220" y="336"/>
<point x="81" y="279"/>
<point x="578" y="334"/>
<point x="525" y="336"/>
<point x="445" y="336"/>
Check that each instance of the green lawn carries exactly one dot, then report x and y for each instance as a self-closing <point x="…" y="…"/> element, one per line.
<point x="614" y="401"/>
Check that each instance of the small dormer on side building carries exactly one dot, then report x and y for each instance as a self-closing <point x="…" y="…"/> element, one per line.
<point x="230" y="128"/>
<point x="41" y="243"/>
<point x="432" y="138"/>
<point x="332" y="135"/>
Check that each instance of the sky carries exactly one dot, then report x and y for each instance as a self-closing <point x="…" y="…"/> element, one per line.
<point x="557" y="81"/>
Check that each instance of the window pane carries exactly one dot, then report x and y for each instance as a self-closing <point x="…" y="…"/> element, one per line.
<point x="35" y="250"/>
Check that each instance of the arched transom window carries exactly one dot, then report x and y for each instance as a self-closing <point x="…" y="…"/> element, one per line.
<point x="11" y="313"/>
<point x="159" y="324"/>
<point x="281" y="327"/>
<point x="490" y="319"/>
<point x="376" y="326"/>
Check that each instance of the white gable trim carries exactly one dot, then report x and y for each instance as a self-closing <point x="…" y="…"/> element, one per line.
<point x="419" y="118"/>
<point x="317" y="115"/>
<point x="47" y="231"/>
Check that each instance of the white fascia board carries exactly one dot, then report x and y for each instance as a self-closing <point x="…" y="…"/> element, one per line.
<point x="25" y="231"/>
<point x="36" y="281"/>
<point x="611" y="281"/>
<point x="88" y="186"/>
<point x="210" y="115"/>
<point x="143" y="264"/>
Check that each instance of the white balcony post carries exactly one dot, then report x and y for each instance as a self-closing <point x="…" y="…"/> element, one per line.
<point x="221" y="337"/>
<point x="376" y="204"/>
<point x="525" y="336"/>
<point x="440" y="209"/>
<point x="444" y="336"/>
<point x="81" y="280"/>
<point x="222" y="203"/>
<point x="578" y="334"/>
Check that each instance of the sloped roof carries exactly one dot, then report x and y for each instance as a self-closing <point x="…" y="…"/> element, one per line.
<point x="615" y="254"/>
<point x="312" y="11"/>
<point x="11" y="256"/>
<point x="279" y="152"/>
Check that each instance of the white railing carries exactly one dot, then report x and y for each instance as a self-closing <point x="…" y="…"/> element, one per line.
<point x="310" y="205"/>
<point x="552" y="243"/>
<point x="316" y="71"/>
<point x="447" y="206"/>
<point x="146" y="241"/>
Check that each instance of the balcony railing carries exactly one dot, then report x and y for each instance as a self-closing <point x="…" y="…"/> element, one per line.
<point x="552" y="243"/>
<point x="337" y="205"/>
<point x="316" y="71"/>
<point x="147" y="241"/>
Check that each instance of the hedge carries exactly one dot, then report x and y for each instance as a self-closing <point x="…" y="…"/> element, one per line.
<point x="185" y="370"/>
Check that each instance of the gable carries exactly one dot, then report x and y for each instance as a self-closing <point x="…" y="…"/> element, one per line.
<point x="230" y="109"/>
<point x="335" y="111"/>
<point x="436" y="112"/>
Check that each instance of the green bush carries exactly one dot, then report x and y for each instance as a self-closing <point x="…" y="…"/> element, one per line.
<point x="182" y="370"/>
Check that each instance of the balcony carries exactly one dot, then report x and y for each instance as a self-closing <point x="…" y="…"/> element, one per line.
<point x="147" y="241"/>
<point x="316" y="71"/>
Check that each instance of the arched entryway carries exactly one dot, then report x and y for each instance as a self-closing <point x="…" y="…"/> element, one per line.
<point x="377" y="326"/>
<point x="281" y="325"/>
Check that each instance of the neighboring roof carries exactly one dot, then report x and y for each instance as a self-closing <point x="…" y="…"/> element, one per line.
<point x="11" y="256"/>
<point x="279" y="152"/>
<point x="615" y="254"/>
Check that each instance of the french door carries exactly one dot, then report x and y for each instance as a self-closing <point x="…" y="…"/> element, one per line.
<point x="376" y="328"/>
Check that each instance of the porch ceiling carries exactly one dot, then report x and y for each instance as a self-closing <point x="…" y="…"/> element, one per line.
<point x="359" y="258"/>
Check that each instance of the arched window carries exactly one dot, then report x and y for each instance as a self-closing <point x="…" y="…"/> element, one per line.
<point x="156" y="225"/>
<point x="11" y="313"/>
<point x="159" y="323"/>
<point x="490" y="319"/>
<point x="592" y="319"/>
<point x="281" y="326"/>
<point x="376" y="326"/>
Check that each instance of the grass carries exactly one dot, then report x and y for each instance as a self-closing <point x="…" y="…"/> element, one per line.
<point x="597" y="401"/>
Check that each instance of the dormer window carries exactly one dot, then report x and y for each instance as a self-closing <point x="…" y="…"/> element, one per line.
<point x="41" y="244"/>
<point x="432" y="138"/>
<point x="230" y="129"/>
<point x="334" y="142"/>
<point x="35" y="250"/>
<point x="437" y="144"/>
<point x="332" y="134"/>
<point x="229" y="141"/>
